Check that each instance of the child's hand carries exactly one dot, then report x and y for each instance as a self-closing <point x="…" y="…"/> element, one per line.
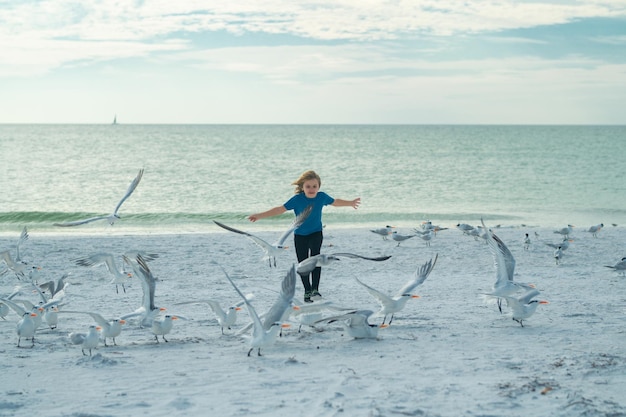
<point x="356" y="203"/>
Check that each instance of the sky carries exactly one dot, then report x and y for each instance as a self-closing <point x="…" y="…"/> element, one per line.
<point x="312" y="62"/>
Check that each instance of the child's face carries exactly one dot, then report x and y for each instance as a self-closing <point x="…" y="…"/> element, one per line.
<point x="311" y="187"/>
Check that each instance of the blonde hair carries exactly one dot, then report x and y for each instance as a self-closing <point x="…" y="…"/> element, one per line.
<point x="306" y="176"/>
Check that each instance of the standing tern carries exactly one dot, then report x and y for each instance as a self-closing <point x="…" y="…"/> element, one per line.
<point x="400" y="237"/>
<point x="565" y="231"/>
<point x="111" y="218"/>
<point x="271" y="251"/>
<point x="357" y="324"/>
<point x="29" y="321"/>
<point x="391" y="305"/>
<point x="383" y="231"/>
<point x="312" y="262"/>
<point x="108" y="328"/>
<point x="163" y="325"/>
<point x="524" y="306"/>
<point x="505" y="268"/>
<point x="264" y="333"/>
<point x="87" y="340"/>
<point x="595" y="229"/>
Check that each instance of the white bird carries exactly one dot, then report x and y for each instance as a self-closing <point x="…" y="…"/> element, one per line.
<point x="120" y="276"/>
<point x="88" y="341"/>
<point x="271" y="251"/>
<point x="162" y="325"/>
<point x="426" y="237"/>
<point x="524" y="306"/>
<point x="108" y="328"/>
<point x="357" y="324"/>
<point x="400" y="237"/>
<point x="19" y="268"/>
<point x="309" y="314"/>
<point x="391" y="305"/>
<point x="383" y="231"/>
<point x="565" y="231"/>
<point x="225" y="319"/>
<point x="619" y="267"/>
<point x="595" y="229"/>
<point x="464" y="227"/>
<point x="111" y="218"/>
<point x="312" y="262"/>
<point x="30" y="320"/>
<point x="54" y="290"/>
<point x="147" y="311"/>
<point x="4" y="308"/>
<point x="264" y="333"/>
<point x="505" y="268"/>
<point x="558" y="254"/>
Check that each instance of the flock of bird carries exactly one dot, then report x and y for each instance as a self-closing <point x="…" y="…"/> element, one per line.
<point x="520" y="297"/>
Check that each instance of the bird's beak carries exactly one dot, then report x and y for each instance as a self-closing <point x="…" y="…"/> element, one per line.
<point x="415" y="296"/>
<point x="237" y="308"/>
<point x="532" y="285"/>
<point x="174" y="318"/>
<point x="544" y="302"/>
<point x="382" y="326"/>
<point x="33" y="314"/>
<point x="98" y="328"/>
<point x="285" y="325"/>
<point x="296" y="308"/>
<point x="162" y="309"/>
<point x="122" y="321"/>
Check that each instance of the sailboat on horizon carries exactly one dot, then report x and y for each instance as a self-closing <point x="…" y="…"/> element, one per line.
<point x="115" y="119"/>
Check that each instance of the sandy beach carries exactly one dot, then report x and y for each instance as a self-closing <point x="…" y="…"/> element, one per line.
<point x="448" y="353"/>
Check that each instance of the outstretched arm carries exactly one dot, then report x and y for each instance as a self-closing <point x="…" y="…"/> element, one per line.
<point x="347" y="203"/>
<point x="269" y="213"/>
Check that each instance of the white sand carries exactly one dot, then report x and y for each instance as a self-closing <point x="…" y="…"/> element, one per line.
<point x="446" y="354"/>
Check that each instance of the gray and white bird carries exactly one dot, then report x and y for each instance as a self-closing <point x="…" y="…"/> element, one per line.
<point x="162" y="325"/>
<point x="271" y="251"/>
<point x="619" y="267"/>
<point x="524" y="306"/>
<point x="225" y="318"/>
<point x="113" y="217"/>
<point x="108" y="328"/>
<point x="565" y="231"/>
<point x="120" y="276"/>
<point x="391" y="305"/>
<point x="383" y="231"/>
<point x="312" y="262"/>
<point x="504" y="262"/>
<point x="595" y="229"/>
<point x="398" y="237"/>
<point x="356" y="323"/>
<point x="558" y="254"/>
<point x="87" y="341"/>
<point x="564" y="244"/>
<point x="28" y="323"/>
<point x="147" y="311"/>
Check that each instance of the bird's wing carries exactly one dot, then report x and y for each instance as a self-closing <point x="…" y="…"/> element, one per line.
<point x="380" y="297"/>
<point x="258" y="326"/>
<point x="528" y="296"/>
<point x="300" y="218"/>
<point x="355" y="256"/>
<point x="502" y="257"/>
<point x="420" y="276"/>
<point x="130" y="190"/>
<point x="288" y="289"/>
<point x="262" y="243"/>
<point x="15" y="307"/>
<point x="23" y="238"/>
<point x="79" y="222"/>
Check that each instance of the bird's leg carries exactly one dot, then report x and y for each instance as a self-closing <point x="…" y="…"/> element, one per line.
<point x="500" y="305"/>
<point x="105" y="342"/>
<point x="156" y="338"/>
<point x="124" y="288"/>
<point x="250" y="351"/>
<point x="117" y="291"/>
<point x="222" y="330"/>
<point x="114" y="341"/>
<point x="390" y="320"/>
<point x="165" y="339"/>
<point x="83" y="350"/>
<point x="259" y="352"/>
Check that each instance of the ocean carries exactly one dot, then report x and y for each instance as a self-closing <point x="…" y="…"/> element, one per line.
<point x="405" y="174"/>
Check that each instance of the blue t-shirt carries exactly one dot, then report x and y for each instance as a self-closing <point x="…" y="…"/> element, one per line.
<point x="313" y="223"/>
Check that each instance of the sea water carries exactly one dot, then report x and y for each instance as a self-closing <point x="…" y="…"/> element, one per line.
<point x="404" y="174"/>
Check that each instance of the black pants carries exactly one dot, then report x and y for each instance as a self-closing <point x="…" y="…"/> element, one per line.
<point x="306" y="246"/>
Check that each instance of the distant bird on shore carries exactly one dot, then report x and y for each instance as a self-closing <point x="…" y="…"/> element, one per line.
<point x="120" y="277"/>
<point x="564" y="244"/>
<point x="383" y="231"/>
<point x="400" y="237"/>
<point x="162" y="325"/>
<point x="565" y="231"/>
<point x="356" y="323"/>
<point x="87" y="341"/>
<point x="595" y="229"/>
<point x="527" y="242"/>
<point x="558" y="254"/>
<point x="464" y="227"/>
<point x="113" y="217"/>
